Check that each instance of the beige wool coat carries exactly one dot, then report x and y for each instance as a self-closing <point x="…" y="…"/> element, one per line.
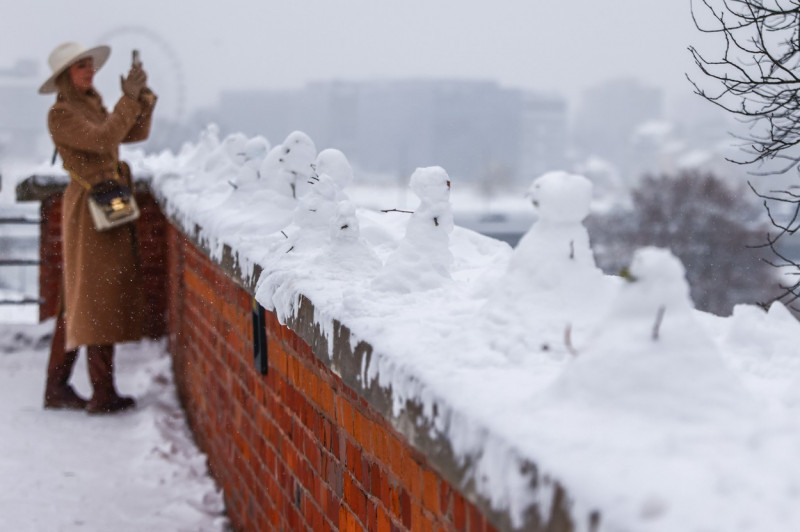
<point x="102" y="292"/>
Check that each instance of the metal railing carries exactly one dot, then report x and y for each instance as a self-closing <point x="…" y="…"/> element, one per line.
<point x="16" y="261"/>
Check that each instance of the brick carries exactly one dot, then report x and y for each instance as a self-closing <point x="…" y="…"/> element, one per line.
<point x="363" y="475"/>
<point x="312" y="387"/>
<point x="353" y="459"/>
<point x="343" y="519"/>
<point x="384" y="524"/>
<point x="380" y="445"/>
<point x="332" y="507"/>
<point x="430" y="491"/>
<point x="416" y="518"/>
<point x="459" y="512"/>
<point x="396" y="453"/>
<point x="336" y="442"/>
<point x="327" y="399"/>
<point x="362" y="428"/>
<point x="376" y="481"/>
<point x="392" y="501"/>
<point x="405" y="508"/>
<point x="344" y="418"/>
<point x="445" y="499"/>
<point x="412" y="476"/>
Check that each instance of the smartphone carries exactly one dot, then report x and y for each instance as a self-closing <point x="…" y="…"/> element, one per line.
<point x="135" y="59"/>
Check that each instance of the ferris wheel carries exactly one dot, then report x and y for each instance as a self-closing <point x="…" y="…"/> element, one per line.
<point x="165" y="76"/>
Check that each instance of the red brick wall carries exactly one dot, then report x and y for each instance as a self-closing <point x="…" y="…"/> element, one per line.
<point x="296" y="449"/>
<point x="50" y="266"/>
<point x="151" y="231"/>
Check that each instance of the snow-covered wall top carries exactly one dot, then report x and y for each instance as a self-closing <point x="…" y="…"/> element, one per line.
<point x="659" y="417"/>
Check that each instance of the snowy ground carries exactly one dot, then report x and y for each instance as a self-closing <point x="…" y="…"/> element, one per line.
<point x="68" y="471"/>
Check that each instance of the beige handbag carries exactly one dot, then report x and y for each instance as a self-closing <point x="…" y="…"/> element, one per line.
<point x="110" y="203"/>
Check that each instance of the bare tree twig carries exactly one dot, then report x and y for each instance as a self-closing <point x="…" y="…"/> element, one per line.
<point x="659" y="319"/>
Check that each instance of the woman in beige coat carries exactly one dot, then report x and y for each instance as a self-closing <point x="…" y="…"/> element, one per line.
<point x="101" y="297"/>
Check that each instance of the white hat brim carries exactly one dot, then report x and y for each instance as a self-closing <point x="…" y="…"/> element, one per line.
<point x="99" y="55"/>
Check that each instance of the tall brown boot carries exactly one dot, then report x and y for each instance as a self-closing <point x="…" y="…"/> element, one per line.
<point x="57" y="391"/>
<point x="101" y="372"/>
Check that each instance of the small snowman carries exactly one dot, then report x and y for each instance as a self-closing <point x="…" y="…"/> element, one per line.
<point x="288" y="166"/>
<point x="423" y="258"/>
<point x="318" y="206"/>
<point x="345" y="227"/>
<point x="558" y="237"/>
<point x="346" y="249"/>
<point x="225" y="160"/>
<point x="251" y="157"/>
<point x="649" y="354"/>
<point x="552" y="289"/>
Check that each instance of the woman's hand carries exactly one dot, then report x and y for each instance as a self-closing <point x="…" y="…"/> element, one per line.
<point x="132" y="85"/>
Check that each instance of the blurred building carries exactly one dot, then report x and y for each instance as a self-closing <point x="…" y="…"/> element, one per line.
<point x="476" y="130"/>
<point x="608" y="118"/>
<point x="543" y="135"/>
<point x="23" y="112"/>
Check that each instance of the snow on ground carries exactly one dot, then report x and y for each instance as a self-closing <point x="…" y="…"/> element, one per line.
<point x="68" y="471"/>
<point x="661" y="417"/>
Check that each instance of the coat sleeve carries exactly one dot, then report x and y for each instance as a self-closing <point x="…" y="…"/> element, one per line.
<point x="141" y="128"/>
<point x="70" y="128"/>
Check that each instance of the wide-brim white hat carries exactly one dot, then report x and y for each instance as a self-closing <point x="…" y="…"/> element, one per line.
<point x="68" y="53"/>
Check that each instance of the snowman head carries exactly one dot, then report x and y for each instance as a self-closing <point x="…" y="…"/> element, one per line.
<point x="334" y="163"/>
<point x="561" y="197"/>
<point x="431" y="184"/>
<point x="298" y="153"/>
<point x="255" y="149"/>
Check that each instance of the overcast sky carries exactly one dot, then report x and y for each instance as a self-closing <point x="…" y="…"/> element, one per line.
<point x="558" y="45"/>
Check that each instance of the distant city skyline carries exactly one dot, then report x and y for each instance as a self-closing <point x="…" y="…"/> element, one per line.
<point x="563" y="47"/>
<point x="391" y="126"/>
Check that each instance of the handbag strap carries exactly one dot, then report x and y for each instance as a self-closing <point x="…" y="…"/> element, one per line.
<point x="82" y="181"/>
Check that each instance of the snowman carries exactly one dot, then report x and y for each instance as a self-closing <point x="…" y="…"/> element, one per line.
<point x="288" y="167"/>
<point x="319" y="204"/>
<point x="552" y="289"/>
<point x="649" y="355"/>
<point x="224" y="161"/>
<point x="423" y="258"/>
<point x="346" y="249"/>
<point x="250" y="159"/>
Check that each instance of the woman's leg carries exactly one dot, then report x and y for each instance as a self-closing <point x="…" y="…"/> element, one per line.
<point x="100" y="359"/>
<point x="57" y="391"/>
